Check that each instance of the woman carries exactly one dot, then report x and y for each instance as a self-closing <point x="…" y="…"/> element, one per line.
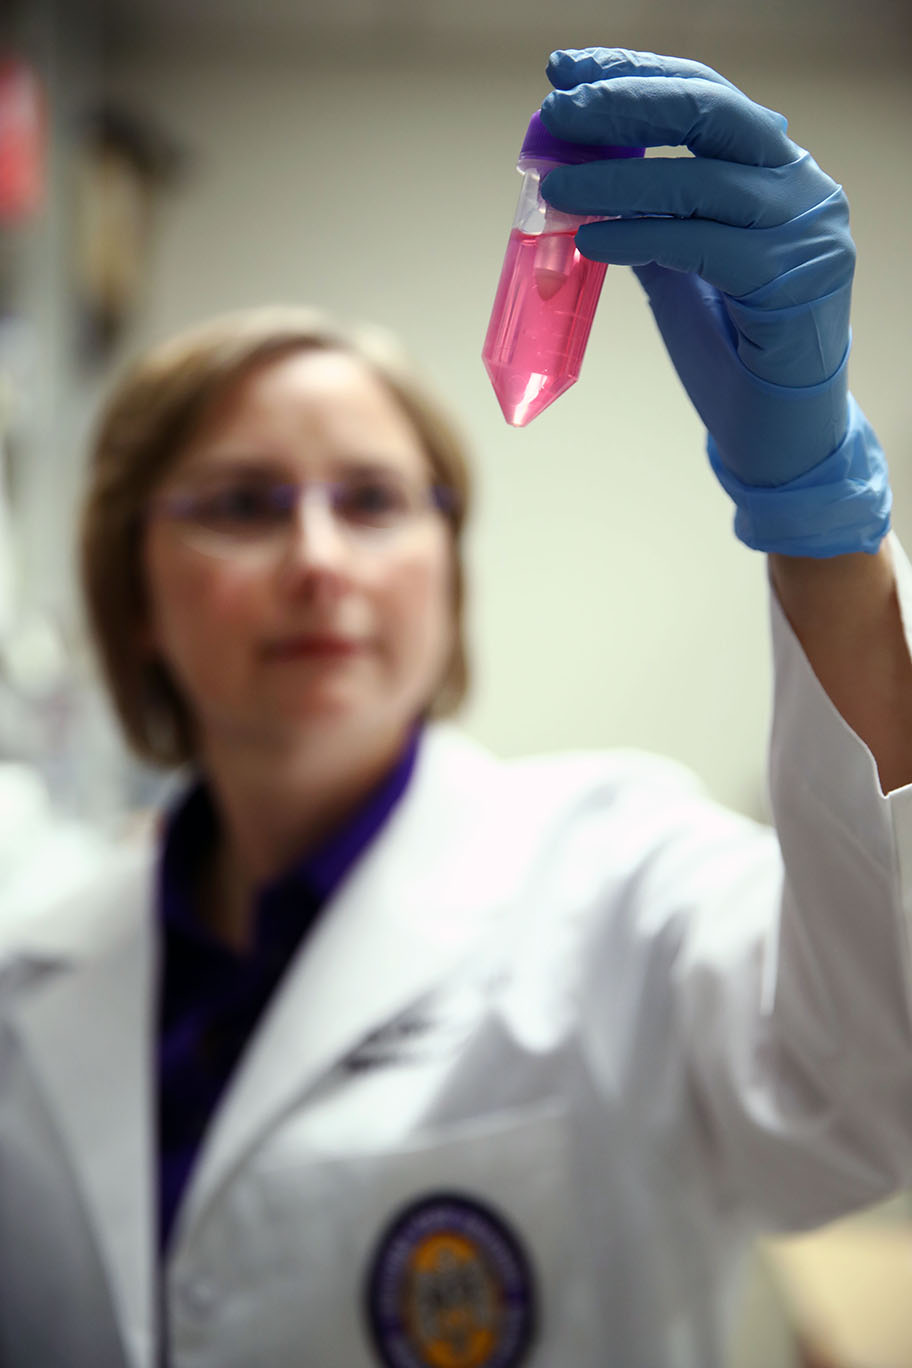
<point x="392" y="1053"/>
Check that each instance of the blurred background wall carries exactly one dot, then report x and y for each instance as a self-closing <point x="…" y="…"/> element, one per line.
<point x="359" y="156"/>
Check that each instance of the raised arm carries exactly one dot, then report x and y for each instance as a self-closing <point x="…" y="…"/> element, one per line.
<point x="845" y="611"/>
<point x="745" y="254"/>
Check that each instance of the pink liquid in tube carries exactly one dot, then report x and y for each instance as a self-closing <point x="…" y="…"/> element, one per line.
<point x="540" y="322"/>
<point x="547" y="293"/>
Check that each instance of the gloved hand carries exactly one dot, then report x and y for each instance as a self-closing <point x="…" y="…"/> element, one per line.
<point x="745" y="254"/>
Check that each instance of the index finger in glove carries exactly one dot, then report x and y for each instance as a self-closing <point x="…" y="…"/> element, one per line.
<point x="656" y="111"/>
<point x="569" y="67"/>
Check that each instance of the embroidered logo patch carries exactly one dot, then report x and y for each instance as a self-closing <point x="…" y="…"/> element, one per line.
<point x="450" y="1287"/>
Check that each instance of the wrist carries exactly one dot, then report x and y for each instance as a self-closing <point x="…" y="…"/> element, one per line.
<point x="840" y="506"/>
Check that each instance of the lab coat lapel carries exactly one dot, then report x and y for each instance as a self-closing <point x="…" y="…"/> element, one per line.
<point x="412" y="909"/>
<point x="88" y="1032"/>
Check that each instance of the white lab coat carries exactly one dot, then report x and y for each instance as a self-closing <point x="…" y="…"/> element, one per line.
<point x="42" y="852"/>
<point x="569" y="988"/>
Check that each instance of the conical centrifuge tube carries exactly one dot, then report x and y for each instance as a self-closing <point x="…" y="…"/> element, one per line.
<point x="548" y="291"/>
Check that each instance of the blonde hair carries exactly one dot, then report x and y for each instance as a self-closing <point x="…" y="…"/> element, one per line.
<point x="142" y="430"/>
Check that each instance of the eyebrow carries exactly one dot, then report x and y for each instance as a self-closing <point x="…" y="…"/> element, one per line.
<point x="234" y="465"/>
<point x="274" y="467"/>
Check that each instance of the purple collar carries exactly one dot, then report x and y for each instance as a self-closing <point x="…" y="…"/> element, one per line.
<point x="190" y="832"/>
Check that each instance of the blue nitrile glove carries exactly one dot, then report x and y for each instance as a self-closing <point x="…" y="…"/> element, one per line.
<point x="745" y="253"/>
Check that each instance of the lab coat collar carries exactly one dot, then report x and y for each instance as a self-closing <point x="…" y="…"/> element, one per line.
<point x="411" y="909"/>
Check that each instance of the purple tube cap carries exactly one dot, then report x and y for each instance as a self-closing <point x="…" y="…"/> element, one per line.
<point x="540" y="145"/>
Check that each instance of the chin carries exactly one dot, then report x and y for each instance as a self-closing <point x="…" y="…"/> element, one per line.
<point x="318" y="705"/>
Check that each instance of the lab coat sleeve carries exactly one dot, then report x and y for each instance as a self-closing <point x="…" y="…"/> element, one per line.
<point x="801" y="1040"/>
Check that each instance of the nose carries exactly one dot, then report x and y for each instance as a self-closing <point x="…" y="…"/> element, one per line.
<point x="316" y="542"/>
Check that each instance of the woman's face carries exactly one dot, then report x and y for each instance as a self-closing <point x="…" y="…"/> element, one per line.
<point x="328" y="627"/>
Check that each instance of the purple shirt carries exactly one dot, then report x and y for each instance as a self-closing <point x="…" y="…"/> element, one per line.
<point x="211" y="996"/>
